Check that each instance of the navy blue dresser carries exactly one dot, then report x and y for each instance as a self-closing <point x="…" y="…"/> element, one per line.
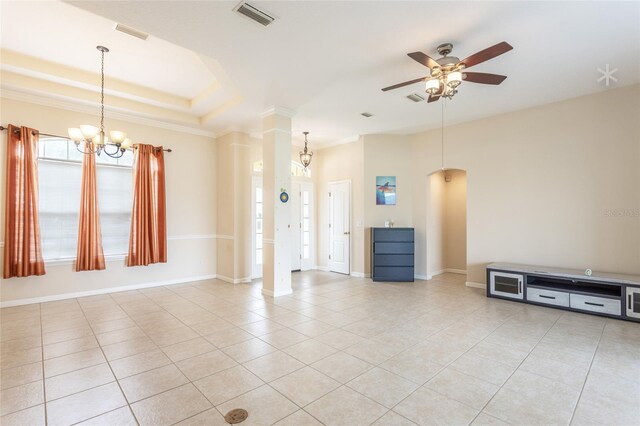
<point x="392" y="253"/>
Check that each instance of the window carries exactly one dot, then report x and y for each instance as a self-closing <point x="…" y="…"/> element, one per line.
<point x="59" y="181"/>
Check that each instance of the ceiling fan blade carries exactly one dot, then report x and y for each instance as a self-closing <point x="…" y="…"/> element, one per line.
<point x="483" y="78"/>
<point x="486" y="54"/>
<point x="406" y="83"/>
<point x="425" y="60"/>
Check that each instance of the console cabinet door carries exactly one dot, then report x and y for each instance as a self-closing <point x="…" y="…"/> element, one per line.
<point x="633" y="302"/>
<point x="506" y="284"/>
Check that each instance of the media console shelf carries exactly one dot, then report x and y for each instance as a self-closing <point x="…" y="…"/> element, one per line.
<point x="611" y="295"/>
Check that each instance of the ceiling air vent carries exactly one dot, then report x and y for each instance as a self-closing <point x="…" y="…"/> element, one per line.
<point x="131" y="31"/>
<point x="254" y="13"/>
<point x="415" y="97"/>
<point x="366" y="114"/>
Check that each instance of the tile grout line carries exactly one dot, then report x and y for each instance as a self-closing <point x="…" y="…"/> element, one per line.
<point x="515" y="370"/>
<point x="593" y="357"/>
<point x="44" y="387"/>
<point x="446" y="365"/>
<point x="109" y="365"/>
<point x="127" y="316"/>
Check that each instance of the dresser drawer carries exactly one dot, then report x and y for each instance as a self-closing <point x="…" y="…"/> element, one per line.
<point x="392" y="248"/>
<point x="392" y="234"/>
<point x="393" y="273"/>
<point x="548" y="297"/>
<point x="595" y="304"/>
<point x="393" y="260"/>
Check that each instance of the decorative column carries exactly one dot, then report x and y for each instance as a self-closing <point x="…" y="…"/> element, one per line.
<point x="276" y="175"/>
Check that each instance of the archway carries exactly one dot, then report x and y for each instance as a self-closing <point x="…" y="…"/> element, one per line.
<point x="446" y="229"/>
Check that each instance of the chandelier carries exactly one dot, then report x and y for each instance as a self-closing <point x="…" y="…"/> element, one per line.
<point x="115" y="145"/>
<point x="305" y="155"/>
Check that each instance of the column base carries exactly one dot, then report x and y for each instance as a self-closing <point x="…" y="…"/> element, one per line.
<point x="271" y="293"/>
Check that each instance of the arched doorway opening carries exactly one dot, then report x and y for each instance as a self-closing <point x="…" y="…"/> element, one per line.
<point x="446" y="223"/>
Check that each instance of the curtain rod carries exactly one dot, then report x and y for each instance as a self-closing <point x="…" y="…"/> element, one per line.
<point x="3" y="128"/>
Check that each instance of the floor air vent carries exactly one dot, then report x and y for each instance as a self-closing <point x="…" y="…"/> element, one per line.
<point x="255" y="14"/>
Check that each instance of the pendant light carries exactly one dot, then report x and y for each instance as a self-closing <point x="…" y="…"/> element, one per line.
<point x="88" y="134"/>
<point x="305" y="156"/>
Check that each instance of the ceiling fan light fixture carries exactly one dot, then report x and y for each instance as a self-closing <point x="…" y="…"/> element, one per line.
<point x="454" y="78"/>
<point x="432" y="86"/>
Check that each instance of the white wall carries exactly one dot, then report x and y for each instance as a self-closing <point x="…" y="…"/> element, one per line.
<point x="191" y="208"/>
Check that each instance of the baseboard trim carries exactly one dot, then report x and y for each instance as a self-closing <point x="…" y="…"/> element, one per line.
<point x="475" y="285"/>
<point x="321" y="268"/>
<point x="422" y="277"/>
<point x="448" y="270"/>
<point x="230" y="280"/>
<point x="270" y="293"/>
<point x="74" y="295"/>
<point x="360" y="275"/>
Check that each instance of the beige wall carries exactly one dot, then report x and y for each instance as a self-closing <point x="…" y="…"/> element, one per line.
<point x="234" y="165"/>
<point x="554" y="185"/>
<point x="191" y="208"/>
<point x="341" y="162"/>
<point x="386" y="155"/>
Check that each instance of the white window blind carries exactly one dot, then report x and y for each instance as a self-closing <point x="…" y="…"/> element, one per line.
<point x="59" y="182"/>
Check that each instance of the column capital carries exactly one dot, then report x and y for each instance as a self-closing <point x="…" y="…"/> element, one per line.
<point x="278" y="110"/>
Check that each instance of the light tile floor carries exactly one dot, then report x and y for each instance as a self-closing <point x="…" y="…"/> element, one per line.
<point x="339" y="351"/>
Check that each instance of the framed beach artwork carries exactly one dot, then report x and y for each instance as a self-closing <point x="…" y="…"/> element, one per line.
<point x="385" y="190"/>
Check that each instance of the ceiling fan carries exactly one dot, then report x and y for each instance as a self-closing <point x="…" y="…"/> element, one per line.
<point x="448" y="72"/>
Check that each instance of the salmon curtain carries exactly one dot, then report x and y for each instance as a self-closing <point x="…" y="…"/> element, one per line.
<point x="89" y="255"/>
<point x="22" y="245"/>
<point x="148" y="237"/>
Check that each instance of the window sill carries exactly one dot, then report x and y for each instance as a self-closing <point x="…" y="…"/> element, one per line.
<point x="72" y="260"/>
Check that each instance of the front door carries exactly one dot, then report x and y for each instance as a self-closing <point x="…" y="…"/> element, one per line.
<point x="339" y="227"/>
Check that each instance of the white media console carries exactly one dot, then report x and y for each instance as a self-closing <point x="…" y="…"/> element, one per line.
<point x="612" y="295"/>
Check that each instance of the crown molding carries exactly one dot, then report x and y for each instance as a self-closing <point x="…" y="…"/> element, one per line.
<point x="278" y="110"/>
<point x="52" y="102"/>
<point x="276" y="130"/>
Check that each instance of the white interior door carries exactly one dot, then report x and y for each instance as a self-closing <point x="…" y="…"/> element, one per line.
<point x="340" y="227"/>
<point x="296" y="225"/>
